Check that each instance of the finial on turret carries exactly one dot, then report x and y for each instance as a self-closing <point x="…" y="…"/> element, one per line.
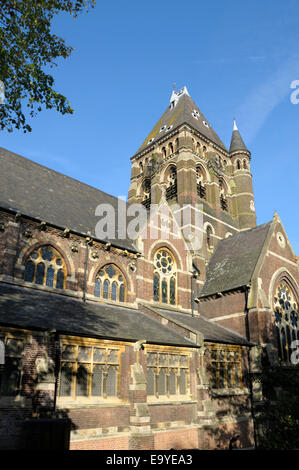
<point x="237" y="142"/>
<point x="275" y="216"/>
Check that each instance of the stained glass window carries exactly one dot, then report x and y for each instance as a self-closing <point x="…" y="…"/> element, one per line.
<point x="110" y="284"/>
<point x="286" y="319"/>
<point x="164" y="282"/>
<point x="46" y="267"/>
<point x="97" y="288"/>
<point x="29" y="271"/>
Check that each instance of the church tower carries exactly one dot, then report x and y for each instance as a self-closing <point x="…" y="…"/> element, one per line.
<point x="184" y="161"/>
<point x="240" y="158"/>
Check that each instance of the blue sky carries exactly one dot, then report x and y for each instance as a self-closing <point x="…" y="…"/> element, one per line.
<point x="237" y="59"/>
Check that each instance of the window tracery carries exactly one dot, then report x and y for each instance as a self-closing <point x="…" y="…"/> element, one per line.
<point x="164" y="285"/>
<point x="45" y="266"/>
<point x="286" y="320"/>
<point x="110" y="284"/>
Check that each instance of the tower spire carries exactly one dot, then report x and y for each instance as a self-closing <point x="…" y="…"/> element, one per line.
<point x="237" y="142"/>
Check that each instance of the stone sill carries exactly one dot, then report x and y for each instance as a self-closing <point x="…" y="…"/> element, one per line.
<point x="89" y="404"/>
<point x="172" y="402"/>
<point x="227" y="392"/>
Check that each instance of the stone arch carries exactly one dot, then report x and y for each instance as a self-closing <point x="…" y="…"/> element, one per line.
<point x="24" y="254"/>
<point x="206" y="173"/>
<point x="210" y="233"/>
<point x="169" y="246"/>
<point x="226" y="186"/>
<point x="95" y="270"/>
<point x="166" y="170"/>
<point x="282" y="274"/>
<point x="284" y="313"/>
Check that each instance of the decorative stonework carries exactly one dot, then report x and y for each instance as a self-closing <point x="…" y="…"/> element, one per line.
<point x="281" y="240"/>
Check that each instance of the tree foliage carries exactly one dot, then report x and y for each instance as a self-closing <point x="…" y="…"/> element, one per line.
<point x="278" y="420"/>
<point x="27" y="49"/>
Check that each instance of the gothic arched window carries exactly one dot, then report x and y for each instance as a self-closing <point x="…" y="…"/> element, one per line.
<point x="223" y="194"/>
<point x="46" y="267"/>
<point x="286" y="320"/>
<point x="110" y="284"/>
<point x="164" y="285"/>
<point x="209" y="233"/>
<point x="146" y="193"/>
<point x="171" y="190"/>
<point x="200" y="179"/>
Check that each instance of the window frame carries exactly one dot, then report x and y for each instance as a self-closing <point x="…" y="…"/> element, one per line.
<point x="157" y="367"/>
<point x="285" y="325"/>
<point x="226" y="365"/>
<point x="75" y="399"/>
<point x="5" y="335"/>
<point x="106" y="279"/>
<point x="47" y="265"/>
<point x="165" y="278"/>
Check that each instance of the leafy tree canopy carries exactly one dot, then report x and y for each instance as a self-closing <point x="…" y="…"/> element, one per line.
<point x="278" y="419"/>
<point x="27" y="48"/>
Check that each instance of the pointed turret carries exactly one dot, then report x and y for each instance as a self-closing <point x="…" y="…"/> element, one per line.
<point x="240" y="159"/>
<point x="237" y="142"/>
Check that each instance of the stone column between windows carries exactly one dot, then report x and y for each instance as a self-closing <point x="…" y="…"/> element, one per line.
<point x="44" y="393"/>
<point x="141" y="437"/>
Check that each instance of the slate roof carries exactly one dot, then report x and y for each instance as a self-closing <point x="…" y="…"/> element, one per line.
<point x="44" y="194"/>
<point x="237" y="142"/>
<point x="181" y="114"/>
<point x="210" y="330"/>
<point x="233" y="261"/>
<point x="36" y="309"/>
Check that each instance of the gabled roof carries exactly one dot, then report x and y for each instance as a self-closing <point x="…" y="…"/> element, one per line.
<point x="44" y="194"/>
<point x="35" y="309"/>
<point x="184" y="111"/>
<point x="234" y="260"/>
